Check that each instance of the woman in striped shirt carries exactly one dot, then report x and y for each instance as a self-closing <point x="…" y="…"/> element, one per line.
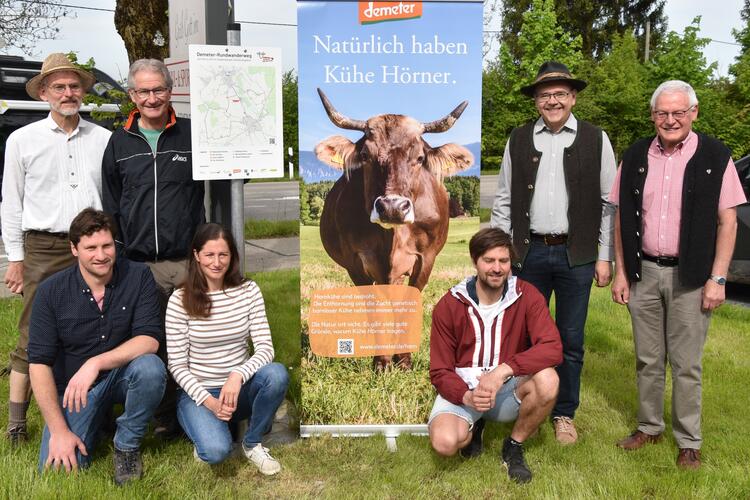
<point x="208" y="324"/>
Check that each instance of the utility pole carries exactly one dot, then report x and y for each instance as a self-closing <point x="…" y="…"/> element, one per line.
<point x="237" y="210"/>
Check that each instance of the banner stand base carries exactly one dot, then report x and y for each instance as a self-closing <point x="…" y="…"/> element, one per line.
<point x="391" y="432"/>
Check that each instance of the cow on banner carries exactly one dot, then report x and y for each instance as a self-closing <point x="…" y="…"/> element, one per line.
<point x="386" y="218"/>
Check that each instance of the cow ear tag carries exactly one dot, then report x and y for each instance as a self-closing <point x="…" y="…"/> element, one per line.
<point x="337" y="159"/>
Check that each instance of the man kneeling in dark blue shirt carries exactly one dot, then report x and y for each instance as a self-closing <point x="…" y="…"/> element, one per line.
<point x="95" y="327"/>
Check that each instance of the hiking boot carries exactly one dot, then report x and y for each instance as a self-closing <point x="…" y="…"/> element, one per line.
<point x="565" y="430"/>
<point x="474" y="448"/>
<point x="689" y="458"/>
<point x="128" y="466"/>
<point x="513" y="459"/>
<point x="258" y="454"/>
<point x="17" y="435"/>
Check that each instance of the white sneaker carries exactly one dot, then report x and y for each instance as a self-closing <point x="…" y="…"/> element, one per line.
<point x="196" y="457"/>
<point x="263" y="460"/>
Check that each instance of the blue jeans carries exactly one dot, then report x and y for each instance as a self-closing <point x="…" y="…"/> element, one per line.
<point x="258" y="399"/>
<point x="139" y="386"/>
<point x="547" y="268"/>
<point x="506" y="407"/>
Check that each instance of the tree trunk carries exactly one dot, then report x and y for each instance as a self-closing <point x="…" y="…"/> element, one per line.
<point x="144" y="27"/>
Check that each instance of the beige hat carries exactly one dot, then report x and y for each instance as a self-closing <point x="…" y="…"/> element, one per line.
<point x="57" y="62"/>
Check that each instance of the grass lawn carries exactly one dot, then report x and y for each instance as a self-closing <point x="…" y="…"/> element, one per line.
<point x="281" y="295"/>
<point x="261" y="229"/>
<point x="362" y="468"/>
<point x="485" y="214"/>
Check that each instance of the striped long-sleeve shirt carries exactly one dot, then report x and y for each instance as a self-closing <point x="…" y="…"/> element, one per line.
<point x="203" y="352"/>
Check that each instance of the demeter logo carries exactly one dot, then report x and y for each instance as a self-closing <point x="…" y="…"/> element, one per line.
<point x="377" y="12"/>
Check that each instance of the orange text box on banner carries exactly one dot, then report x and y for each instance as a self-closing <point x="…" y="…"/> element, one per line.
<point x="378" y="12"/>
<point x="363" y="321"/>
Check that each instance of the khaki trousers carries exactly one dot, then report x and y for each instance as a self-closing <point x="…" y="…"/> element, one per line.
<point x="668" y="325"/>
<point x="44" y="255"/>
<point x="169" y="275"/>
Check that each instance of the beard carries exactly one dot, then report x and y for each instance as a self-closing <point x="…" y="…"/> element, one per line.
<point x="497" y="284"/>
<point x="66" y="108"/>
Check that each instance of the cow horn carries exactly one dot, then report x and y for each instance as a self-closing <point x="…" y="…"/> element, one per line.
<point x="447" y="121"/>
<point x="337" y="118"/>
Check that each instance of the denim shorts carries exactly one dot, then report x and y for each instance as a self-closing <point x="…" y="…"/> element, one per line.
<point x="505" y="409"/>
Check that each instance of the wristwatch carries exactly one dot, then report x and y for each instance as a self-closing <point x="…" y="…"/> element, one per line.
<point x="721" y="280"/>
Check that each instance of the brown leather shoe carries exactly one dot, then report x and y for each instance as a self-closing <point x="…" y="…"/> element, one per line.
<point x="689" y="458"/>
<point x="565" y="430"/>
<point x="637" y="439"/>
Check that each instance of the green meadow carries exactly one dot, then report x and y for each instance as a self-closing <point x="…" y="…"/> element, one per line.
<point x="356" y="468"/>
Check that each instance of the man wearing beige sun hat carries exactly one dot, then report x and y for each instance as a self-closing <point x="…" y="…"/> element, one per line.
<point x="52" y="172"/>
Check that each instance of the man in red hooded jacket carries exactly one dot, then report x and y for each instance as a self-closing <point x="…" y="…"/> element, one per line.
<point x="493" y="349"/>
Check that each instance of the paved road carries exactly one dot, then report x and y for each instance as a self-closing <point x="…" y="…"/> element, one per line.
<point x="487" y="188"/>
<point x="272" y="200"/>
<point x="272" y="253"/>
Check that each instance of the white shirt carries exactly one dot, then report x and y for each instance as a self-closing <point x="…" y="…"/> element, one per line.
<point x="203" y="352"/>
<point x="549" y="204"/>
<point x="49" y="178"/>
<point x="488" y="313"/>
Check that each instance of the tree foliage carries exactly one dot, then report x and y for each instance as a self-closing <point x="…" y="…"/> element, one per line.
<point x="680" y="57"/>
<point x="490" y="11"/>
<point x="596" y="22"/>
<point x="144" y="27"/>
<point x="738" y="92"/>
<point x="312" y="199"/>
<point x="465" y="192"/>
<point x="741" y="68"/>
<point x="743" y="36"/>
<point x="113" y="96"/>
<point x="616" y="98"/>
<point x="291" y="114"/>
<point x="24" y="22"/>
<point x="503" y="106"/>
<point x="620" y="83"/>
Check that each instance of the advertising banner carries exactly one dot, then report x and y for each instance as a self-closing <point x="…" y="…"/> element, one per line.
<point x="389" y="139"/>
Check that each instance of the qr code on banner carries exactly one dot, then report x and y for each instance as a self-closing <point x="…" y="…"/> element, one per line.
<point x="346" y="346"/>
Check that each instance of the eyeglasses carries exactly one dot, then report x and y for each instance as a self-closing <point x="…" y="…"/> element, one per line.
<point x="559" y="96"/>
<point x="59" y="88"/>
<point x="660" y="116"/>
<point x="159" y="92"/>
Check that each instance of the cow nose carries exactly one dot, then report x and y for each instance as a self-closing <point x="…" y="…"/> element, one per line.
<point x="394" y="209"/>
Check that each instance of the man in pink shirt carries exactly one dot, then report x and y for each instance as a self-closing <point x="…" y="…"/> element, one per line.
<point x="675" y="229"/>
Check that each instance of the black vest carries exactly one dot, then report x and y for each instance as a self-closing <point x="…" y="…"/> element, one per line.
<point x="699" y="216"/>
<point x="582" y="165"/>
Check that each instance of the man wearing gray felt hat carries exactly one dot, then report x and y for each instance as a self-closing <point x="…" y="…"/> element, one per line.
<point x="552" y="198"/>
